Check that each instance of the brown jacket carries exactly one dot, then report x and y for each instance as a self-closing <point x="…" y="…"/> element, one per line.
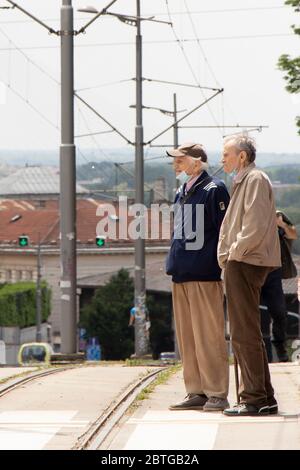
<point x="249" y="230"/>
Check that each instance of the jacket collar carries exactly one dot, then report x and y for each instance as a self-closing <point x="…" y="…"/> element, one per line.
<point x="242" y="174"/>
<point x="201" y="177"/>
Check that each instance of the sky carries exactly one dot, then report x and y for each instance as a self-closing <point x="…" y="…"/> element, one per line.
<point x="233" y="45"/>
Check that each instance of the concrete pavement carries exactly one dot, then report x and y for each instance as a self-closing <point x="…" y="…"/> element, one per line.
<point x="153" y="426"/>
<point x="8" y="372"/>
<point x="53" y="412"/>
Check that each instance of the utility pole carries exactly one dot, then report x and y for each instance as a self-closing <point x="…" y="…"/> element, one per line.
<point x="67" y="169"/>
<point x="175" y="121"/>
<point x="141" y="337"/>
<point x="116" y="179"/>
<point x="38" y="295"/>
<point x="175" y="130"/>
<point x="67" y="185"/>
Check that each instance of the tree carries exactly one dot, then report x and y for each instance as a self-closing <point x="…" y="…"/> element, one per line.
<point x="107" y="316"/>
<point x="292" y="65"/>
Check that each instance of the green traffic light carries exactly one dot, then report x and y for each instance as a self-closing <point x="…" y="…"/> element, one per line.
<point x="100" y="241"/>
<point x="23" y="241"/>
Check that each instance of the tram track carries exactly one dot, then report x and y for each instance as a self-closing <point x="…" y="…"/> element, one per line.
<point x="95" y="436"/>
<point x="19" y="382"/>
<point x="101" y="427"/>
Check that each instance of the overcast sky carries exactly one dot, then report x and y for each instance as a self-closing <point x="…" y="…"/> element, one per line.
<point x="245" y="67"/>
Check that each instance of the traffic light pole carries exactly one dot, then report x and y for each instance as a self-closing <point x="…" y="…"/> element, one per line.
<point x="67" y="185"/>
<point x="38" y="295"/>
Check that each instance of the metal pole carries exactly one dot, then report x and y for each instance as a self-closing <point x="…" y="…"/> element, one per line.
<point x="175" y="143"/>
<point x="175" y="121"/>
<point x="141" y="339"/>
<point x="38" y="296"/>
<point x="116" y="180"/>
<point x="67" y="185"/>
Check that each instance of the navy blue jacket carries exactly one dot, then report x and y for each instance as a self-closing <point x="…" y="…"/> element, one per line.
<point x="198" y="264"/>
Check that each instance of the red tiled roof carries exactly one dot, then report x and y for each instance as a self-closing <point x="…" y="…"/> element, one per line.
<point x="31" y="223"/>
<point x="35" y="220"/>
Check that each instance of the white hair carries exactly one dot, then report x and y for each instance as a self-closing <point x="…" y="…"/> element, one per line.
<point x="243" y="143"/>
<point x="204" y="165"/>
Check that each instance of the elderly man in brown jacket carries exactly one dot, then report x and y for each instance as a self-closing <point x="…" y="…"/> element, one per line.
<point x="248" y="251"/>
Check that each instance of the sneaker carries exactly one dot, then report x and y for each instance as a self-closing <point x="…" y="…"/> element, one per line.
<point x="245" y="409"/>
<point x="273" y="406"/>
<point x="216" y="404"/>
<point x="191" y="402"/>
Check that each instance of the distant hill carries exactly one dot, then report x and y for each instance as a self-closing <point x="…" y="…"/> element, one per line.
<point x="120" y="155"/>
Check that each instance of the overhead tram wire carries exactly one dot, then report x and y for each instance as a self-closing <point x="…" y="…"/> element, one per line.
<point x="224" y="10"/>
<point x="199" y="44"/>
<point x="227" y="10"/>
<point x="162" y="41"/>
<point x="188" y="85"/>
<point x="188" y="61"/>
<point x="210" y="68"/>
<point x="91" y="134"/>
<point x="48" y="75"/>
<point x="201" y="49"/>
<point x="30" y="60"/>
<point x="106" y="157"/>
<point x="207" y="62"/>
<point x="17" y="93"/>
<point x="102" y="85"/>
<point x="145" y="184"/>
<point x="27" y="101"/>
<point x="127" y="172"/>
<point x="38" y="67"/>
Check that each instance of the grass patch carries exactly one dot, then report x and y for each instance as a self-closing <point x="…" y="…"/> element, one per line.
<point x="149" y="362"/>
<point x="104" y="363"/>
<point x="161" y="379"/>
<point x="141" y="362"/>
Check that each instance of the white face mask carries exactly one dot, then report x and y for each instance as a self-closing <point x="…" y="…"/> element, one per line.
<point x="233" y="173"/>
<point x="183" y="177"/>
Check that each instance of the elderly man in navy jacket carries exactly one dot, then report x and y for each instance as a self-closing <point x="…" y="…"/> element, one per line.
<point x="200" y="206"/>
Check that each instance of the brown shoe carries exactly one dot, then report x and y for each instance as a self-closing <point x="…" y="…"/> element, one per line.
<point x="191" y="402"/>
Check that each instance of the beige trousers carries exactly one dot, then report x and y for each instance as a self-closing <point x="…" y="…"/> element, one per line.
<point x="200" y="330"/>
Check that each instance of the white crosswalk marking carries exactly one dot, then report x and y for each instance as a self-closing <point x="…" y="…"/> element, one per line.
<point x="32" y="430"/>
<point x="157" y="431"/>
<point x="184" y="430"/>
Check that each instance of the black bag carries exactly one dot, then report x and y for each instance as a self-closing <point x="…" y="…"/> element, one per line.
<point x="289" y="269"/>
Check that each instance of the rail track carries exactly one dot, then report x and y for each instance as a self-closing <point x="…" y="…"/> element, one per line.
<point x="98" y="431"/>
<point x="103" y="426"/>
<point x="19" y="382"/>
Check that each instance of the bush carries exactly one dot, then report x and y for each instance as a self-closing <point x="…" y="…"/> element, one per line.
<point x="18" y="304"/>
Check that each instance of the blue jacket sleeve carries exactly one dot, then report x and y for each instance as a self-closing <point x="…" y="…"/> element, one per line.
<point x="217" y="203"/>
